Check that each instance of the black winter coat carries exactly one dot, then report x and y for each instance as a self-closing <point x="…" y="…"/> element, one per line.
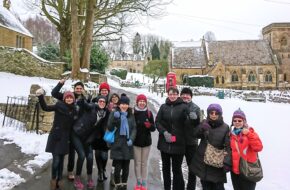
<point x="218" y="136"/>
<point x="119" y="149"/>
<point x="143" y="136"/>
<point x="172" y="117"/>
<point x="190" y="125"/>
<point x="58" y="138"/>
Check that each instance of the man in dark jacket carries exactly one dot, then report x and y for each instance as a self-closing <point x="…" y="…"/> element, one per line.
<point x="191" y="140"/>
<point x="80" y="98"/>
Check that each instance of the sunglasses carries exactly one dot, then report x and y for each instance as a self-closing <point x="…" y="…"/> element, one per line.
<point x="237" y="120"/>
<point x="102" y="101"/>
<point x="214" y="113"/>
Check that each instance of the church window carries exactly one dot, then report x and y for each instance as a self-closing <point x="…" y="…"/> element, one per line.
<point x="283" y="41"/>
<point x="268" y="77"/>
<point x="251" y="77"/>
<point x="235" y="77"/>
<point x="217" y="80"/>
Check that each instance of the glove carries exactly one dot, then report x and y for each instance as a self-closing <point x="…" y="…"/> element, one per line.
<point x="147" y="124"/>
<point x="117" y="114"/>
<point x="205" y="126"/>
<point x="167" y="136"/>
<point x="39" y="92"/>
<point x="192" y="115"/>
<point x="129" y="142"/>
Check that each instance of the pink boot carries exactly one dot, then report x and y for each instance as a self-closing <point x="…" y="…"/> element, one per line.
<point x="78" y="183"/>
<point x="90" y="184"/>
<point x="137" y="187"/>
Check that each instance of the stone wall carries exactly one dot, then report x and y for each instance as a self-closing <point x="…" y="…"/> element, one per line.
<point x="23" y="62"/>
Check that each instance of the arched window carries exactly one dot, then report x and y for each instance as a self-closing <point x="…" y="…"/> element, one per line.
<point x="268" y="77"/>
<point x="283" y="41"/>
<point x="285" y="77"/>
<point x="235" y="77"/>
<point x="217" y="80"/>
<point x="251" y="77"/>
<point x="223" y="79"/>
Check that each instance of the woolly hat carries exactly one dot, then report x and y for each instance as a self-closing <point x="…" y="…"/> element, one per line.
<point x="68" y="94"/>
<point x="214" y="107"/>
<point x="101" y="97"/>
<point x="186" y="91"/>
<point x="239" y="114"/>
<point x="124" y="99"/>
<point x="141" y="97"/>
<point x="104" y="85"/>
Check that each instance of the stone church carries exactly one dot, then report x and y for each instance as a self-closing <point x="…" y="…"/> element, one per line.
<point x="239" y="64"/>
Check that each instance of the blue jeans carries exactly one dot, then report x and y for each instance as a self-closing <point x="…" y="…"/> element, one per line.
<point x="57" y="166"/>
<point x="84" y="151"/>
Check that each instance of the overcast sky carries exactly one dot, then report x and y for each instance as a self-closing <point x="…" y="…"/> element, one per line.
<point x="227" y="19"/>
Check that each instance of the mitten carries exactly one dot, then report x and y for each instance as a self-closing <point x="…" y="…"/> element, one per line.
<point x="205" y="126"/>
<point x="192" y="115"/>
<point x="39" y="92"/>
<point x="129" y="142"/>
<point x="116" y="114"/>
<point x="167" y="136"/>
<point x="147" y="124"/>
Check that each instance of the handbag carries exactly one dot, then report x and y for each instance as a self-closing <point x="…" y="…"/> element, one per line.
<point x="214" y="156"/>
<point x="251" y="171"/>
<point x="109" y="136"/>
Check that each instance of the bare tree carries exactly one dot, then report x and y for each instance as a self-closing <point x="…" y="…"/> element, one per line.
<point x="102" y="19"/>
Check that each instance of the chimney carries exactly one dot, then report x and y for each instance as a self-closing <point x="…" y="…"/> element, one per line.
<point x="6" y="4"/>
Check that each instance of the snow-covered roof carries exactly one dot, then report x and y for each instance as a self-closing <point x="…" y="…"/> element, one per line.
<point x="188" y="57"/>
<point x="241" y="52"/>
<point x="8" y="20"/>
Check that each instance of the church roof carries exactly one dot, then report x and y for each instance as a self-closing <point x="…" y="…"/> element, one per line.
<point x="8" y="20"/>
<point x="240" y="52"/>
<point x="188" y="57"/>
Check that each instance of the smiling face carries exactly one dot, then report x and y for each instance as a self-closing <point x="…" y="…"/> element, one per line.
<point x="186" y="97"/>
<point x="78" y="90"/>
<point x="213" y="115"/>
<point x="104" y="92"/>
<point x="141" y="104"/>
<point x="238" y="122"/>
<point x="102" y="103"/>
<point x="69" y="100"/>
<point x="124" y="107"/>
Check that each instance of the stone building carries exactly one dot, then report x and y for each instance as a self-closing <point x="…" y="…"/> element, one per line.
<point x="278" y="36"/>
<point x="131" y="62"/>
<point x="12" y="32"/>
<point x="239" y="64"/>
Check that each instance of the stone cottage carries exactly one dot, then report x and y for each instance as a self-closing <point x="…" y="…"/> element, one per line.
<point x="12" y="32"/>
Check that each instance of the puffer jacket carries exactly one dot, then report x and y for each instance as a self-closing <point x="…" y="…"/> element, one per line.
<point x="172" y="117"/>
<point x="249" y="145"/>
<point x="218" y="136"/>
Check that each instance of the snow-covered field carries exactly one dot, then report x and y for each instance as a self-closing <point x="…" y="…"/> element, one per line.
<point x="268" y="119"/>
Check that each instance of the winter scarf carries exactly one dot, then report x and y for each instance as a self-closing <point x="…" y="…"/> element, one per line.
<point x="124" y="129"/>
<point x="237" y="131"/>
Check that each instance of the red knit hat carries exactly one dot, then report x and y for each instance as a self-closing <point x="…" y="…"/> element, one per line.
<point x="104" y="85"/>
<point x="141" y="97"/>
<point x="68" y="94"/>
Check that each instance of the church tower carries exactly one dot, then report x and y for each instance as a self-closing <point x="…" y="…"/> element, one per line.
<point x="278" y="36"/>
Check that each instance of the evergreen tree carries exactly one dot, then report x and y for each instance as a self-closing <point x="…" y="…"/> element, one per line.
<point x="155" y="52"/>
<point x="136" y="46"/>
<point x="99" y="59"/>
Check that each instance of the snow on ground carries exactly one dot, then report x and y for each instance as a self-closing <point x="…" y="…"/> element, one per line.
<point x="266" y="118"/>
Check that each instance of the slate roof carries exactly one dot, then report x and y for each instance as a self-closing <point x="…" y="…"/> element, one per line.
<point x="8" y="20"/>
<point x="126" y="57"/>
<point x="188" y="57"/>
<point x="241" y="52"/>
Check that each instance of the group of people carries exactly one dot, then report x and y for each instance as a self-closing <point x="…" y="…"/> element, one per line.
<point x="81" y="122"/>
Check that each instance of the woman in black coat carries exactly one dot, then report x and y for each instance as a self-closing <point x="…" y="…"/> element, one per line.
<point x="170" y="122"/>
<point x="59" y="136"/>
<point x="214" y="131"/>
